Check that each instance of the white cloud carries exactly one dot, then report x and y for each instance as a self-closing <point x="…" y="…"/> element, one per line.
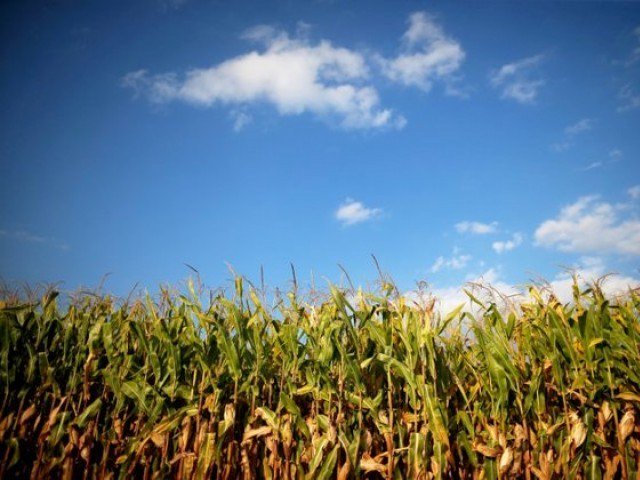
<point x="477" y="228"/>
<point x="456" y="262"/>
<point x="517" y="80"/>
<point x="588" y="271"/>
<point x="591" y="226"/>
<point x="351" y="212"/>
<point x="429" y="55"/>
<point x="491" y="287"/>
<point x="629" y="97"/>
<point x="448" y="298"/>
<point x="583" y="125"/>
<point x="508" y="245"/>
<point x="634" y="192"/>
<point x="291" y="74"/>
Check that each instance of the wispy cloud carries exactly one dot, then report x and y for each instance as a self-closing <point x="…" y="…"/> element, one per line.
<point x="634" y="56"/>
<point x="508" y="245"/>
<point x="240" y="119"/>
<point x="562" y="146"/>
<point x="428" y="55"/>
<point x="477" y="228"/>
<point x="519" y="80"/>
<point x="615" y="154"/>
<point x="634" y="192"/>
<point x="29" y="237"/>
<point x="612" y="157"/>
<point x="583" y="125"/>
<point x="629" y="98"/>
<point x="591" y="226"/>
<point x="592" y="166"/>
<point x="352" y="212"/>
<point x="570" y="132"/>
<point x="292" y="74"/>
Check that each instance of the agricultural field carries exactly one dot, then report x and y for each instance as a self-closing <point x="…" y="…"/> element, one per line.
<point x="487" y="152"/>
<point x="344" y="385"/>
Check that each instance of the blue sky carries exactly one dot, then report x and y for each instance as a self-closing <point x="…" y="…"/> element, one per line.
<point x="452" y="140"/>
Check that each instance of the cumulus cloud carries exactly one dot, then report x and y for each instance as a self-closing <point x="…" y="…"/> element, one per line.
<point x="518" y="80"/>
<point x="456" y="262"/>
<point x="449" y="297"/>
<point x="491" y="286"/>
<point x="477" y="228"/>
<point x="591" y="226"/>
<point x="428" y="55"/>
<point x="291" y="74"/>
<point x="589" y="270"/>
<point x="508" y="245"/>
<point x="351" y="212"/>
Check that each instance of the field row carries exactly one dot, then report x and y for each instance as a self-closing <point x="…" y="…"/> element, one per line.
<point x="350" y="385"/>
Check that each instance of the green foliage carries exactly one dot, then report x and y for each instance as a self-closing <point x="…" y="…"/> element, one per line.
<point x="348" y="386"/>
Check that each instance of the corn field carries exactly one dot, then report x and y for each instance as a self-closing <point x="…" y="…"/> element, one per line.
<point x="349" y="384"/>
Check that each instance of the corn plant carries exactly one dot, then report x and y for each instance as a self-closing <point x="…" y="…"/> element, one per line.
<point x="351" y="384"/>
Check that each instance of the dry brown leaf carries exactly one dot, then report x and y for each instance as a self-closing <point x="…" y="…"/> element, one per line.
<point x="485" y="450"/>
<point x="506" y="459"/>
<point x="493" y="432"/>
<point x="606" y="411"/>
<point x="4" y="424"/>
<point x="256" y="432"/>
<point x="157" y="439"/>
<point x="410" y="417"/>
<point x="27" y="414"/>
<point x="578" y="434"/>
<point x="629" y="396"/>
<point x="368" y="464"/>
<point x="343" y="473"/>
<point x="627" y="424"/>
